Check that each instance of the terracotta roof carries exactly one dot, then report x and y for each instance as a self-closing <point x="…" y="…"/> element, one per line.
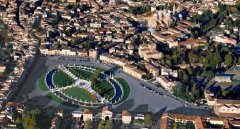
<point x="134" y="69"/>
<point x="87" y="111"/>
<point x="192" y="41"/>
<point x="164" y="79"/>
<point x="164" y="123"/>
<point x="199" y="123"/>
<point x="125" y="113"/>
<point x="182" y="117"/>
<point x="227" y="101"/>
<point x="105" y="109"/>
<point x="232" y="115"/>
<point x="13" y="104"/>
<point x="226" y="124"/>
<point x="235" y="122"/>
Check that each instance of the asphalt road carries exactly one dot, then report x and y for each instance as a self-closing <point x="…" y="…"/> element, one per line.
<point x="140" y="99"/>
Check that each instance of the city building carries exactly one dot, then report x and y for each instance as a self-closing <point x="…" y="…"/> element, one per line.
<point x="152" y="69"/>
<point x="225" y="40"/>
<point x="2" y="68"/>
<point x="169" y="121"/>
<point x="223" y="107"/>
<point x="168" y="72"/>
<point x="113" y="60"/>
<point x="87" y="115"/>
<point x="227" y="108"/>
<point x="126" y="117"/>
<point x="106" y="113"/>
<point x="223" y="78"/>
<point x="133" y="71"/>
<point x="93" y="54"/>
<point x="139" y="117"/>
<point x="77" y="114"/>
<point x="166" y="83"/>
<point x="71" y="1"/>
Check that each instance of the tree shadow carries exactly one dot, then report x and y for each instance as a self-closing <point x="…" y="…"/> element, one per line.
<point x="141" y="108"/>
<point x="126" y="105"/>
<point x="192" y="111"/>
<point x="158" y="114"/>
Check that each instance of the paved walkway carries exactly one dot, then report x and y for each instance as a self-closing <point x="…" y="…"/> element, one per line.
<point x="81" y="84"/>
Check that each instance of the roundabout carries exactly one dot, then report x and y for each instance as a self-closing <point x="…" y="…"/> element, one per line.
<point x="83" y="85"/>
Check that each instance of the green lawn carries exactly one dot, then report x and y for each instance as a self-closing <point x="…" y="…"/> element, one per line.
<point x="126" y="88"/>
<point x="59" y="100"/>
<point x="86" y="75"/>
<point x="105" y="89"/>
<point x="61" y="79"/>
<point x="100" y="69"/>
<point x="41" y="83"/>
<point x="80" y="93"/>
<point x="42" y="86"/>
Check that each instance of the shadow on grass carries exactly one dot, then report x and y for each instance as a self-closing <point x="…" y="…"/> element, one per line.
<point x="60" y="101"/>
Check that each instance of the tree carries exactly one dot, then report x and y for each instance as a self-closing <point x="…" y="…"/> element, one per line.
<point x="140" y="9"/>
<point x="36" y="118"/>
<point x="148" y="119"/>
<point x="224" y="93"/>
<point x="207" y="73"/>
<point x="100" y="125"/>
<point x="168" y="62"/>
<point x="194" y="88"/>
<point x="149" y="76"/>
<point x="195" y="32"/>
<point x="228" y="60"/>
<point x="219" y="93"/>
<point x="175" y="125"/>
<point x="238" y="2"/>
<point x="237" y="23"/>
<point x="58" y="17"/>
<point x="87" y="124"/>
<point x="160" y="7"/>
<point x="182" y="75"/>
<point x="95" y="77"/>
<point x="108" y="124"/>
<point x="18" y="121"/>
<point x="212" y="60"/>
<point x="195" y="91"/>
<point x="37" y="23"/>
<point x="29" y="121"/>
<point x="207" y="44"/>
<point x="3" y="34"/>
<point x="190" y="71"/>
<point x="105" y="1"/>
<point x="84" y="7"/>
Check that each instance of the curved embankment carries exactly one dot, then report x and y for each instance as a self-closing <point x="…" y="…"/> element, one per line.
<point x="49" y="78"/>
<point x="118" y="92"/>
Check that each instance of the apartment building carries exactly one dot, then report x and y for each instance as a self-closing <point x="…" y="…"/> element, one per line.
<point x="166" y="83"/>
<point x="133" y="71"/>
<point x="113" y="60"/>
